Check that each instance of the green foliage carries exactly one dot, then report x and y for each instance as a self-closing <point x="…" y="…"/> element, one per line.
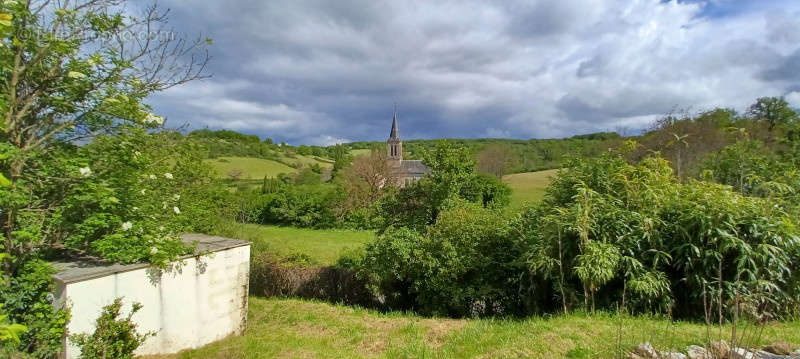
<point x="773" y="110"/>
<point x="633" y="234"/>
<point x="486" y="190"/>
<point x="341" y="157"/>
<point x="27" y="300"/>
<point x="453" y="177"/>
<point x="526" y="155"/>
<point x="306" y="206"/>
<point x="8" y="331"/>
<point x="114" y="336"/>
<point x="463" y="265"/>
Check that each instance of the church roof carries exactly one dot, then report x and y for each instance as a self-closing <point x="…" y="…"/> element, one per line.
<point x="413" y="167"/>
<point x="395" y="134"/>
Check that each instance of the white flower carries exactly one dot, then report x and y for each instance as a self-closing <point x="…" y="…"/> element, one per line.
<point x="168" y="175"/>
<point x="137" y="153"/>
<point x="85" y="171"/>
<point x="135" y="208"/>
<point x="176" y="197"/>
<point x="143" y="191"/>
<point x="152" y="176"/>
<point x="126" y="226"/>
<point x="152" y="119"/>
<point x="153" y="250"/>
<point x="161" y="228"/>
<point x="176" y="210"/>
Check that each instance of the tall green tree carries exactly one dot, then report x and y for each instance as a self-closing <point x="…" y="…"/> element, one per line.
<point x="773" y="110"/>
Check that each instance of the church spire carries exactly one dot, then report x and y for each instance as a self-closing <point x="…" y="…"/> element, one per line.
<point x="394" y="144"/>
<point x="395" y="134"/>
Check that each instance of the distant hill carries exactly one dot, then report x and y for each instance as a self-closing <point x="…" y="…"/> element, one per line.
<point x="530" y="155"/>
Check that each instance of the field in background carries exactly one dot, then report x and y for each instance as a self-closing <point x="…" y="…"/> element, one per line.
<point x="528" y="187"/>
<point x="291" y="328"/>
<point x="359" y="152"/>
<point x="322" y="247"/>
<point x="257" y="168"/>
<point x="252" y="168"/>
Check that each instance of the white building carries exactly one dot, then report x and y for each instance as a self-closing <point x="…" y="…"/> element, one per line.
<point x="203" y="301"/>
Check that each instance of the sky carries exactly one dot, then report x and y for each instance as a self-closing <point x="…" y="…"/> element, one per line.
<point x="326" y="72"/>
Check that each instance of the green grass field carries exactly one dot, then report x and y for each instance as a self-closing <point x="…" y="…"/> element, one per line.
<point x="257" y="168"/>
<point x="527" y="187"/>
<point x="252" y="168"/>
<point x="323" y="247"/>
<point x="290" y="328"/>
<point x="302" y="160"/>
<point x="359" y="152"/>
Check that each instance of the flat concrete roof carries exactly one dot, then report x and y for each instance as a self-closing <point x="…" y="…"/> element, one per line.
<point x="79" y="268"/>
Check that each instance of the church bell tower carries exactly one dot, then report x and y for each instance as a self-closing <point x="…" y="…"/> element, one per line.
<point x="394" y="144"/>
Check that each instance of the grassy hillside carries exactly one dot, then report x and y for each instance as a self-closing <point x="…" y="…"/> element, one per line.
<point x="360" y="151"/>
<point x="528" y="187"/>
<point x="529" y="155"/>
<point x="290" y="328"/>
<point x="323" y="247"/>
<point x="252" y="168"/>
<point x="302" y="160"/>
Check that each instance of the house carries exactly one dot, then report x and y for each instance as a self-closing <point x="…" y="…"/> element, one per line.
<point x="407" y="171"/>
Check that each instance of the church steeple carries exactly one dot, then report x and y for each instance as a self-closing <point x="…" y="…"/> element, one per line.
<point x="394" y="148"/>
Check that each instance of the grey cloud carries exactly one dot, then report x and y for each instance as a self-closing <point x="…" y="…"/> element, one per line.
<point x="321" y="71"/>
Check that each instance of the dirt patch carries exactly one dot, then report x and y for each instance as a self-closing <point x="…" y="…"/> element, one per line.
<point x="439" y="329"/>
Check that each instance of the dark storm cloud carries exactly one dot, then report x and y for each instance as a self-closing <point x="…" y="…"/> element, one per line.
<point x="328" y="71"/>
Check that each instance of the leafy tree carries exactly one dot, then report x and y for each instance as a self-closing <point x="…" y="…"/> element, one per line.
<point x="452" y="177"/>
<point x="772" y="110"/>
<point x="341" y="157"/>
<point x="366" y="181"/>
<point x="78" y="72"/>
<point x="496" y="160"/>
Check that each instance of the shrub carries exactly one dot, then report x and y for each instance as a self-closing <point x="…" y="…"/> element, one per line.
<point x="634" y="234"/>
<point x="114" y="336"/>
<point x="275" y="277"/>
<point x="463" y="265"/>
<point x="26" y="299"/>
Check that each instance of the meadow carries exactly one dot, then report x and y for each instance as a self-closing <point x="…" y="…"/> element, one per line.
<point x="527" y="188"/>
<point x="320" y="247"/>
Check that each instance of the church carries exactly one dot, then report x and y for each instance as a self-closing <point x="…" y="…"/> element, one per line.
<point x="407" y="171"/>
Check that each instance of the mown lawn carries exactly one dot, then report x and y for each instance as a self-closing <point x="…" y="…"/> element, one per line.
<point x="323" y="247"/>
<point x="290" y="328"/>
<point x="527" y="187"/>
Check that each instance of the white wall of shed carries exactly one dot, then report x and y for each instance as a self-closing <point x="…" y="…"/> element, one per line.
<point x="202" y="302"/>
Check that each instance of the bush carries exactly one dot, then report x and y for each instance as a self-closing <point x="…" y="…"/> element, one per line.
<point x="275" y="277"/>
<point x="463" y="265"/>
<point x="114" y="336"/>
<point x="27" y="300"/>
<point x="609" y="232"/>
<point x="302" y="206"/>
